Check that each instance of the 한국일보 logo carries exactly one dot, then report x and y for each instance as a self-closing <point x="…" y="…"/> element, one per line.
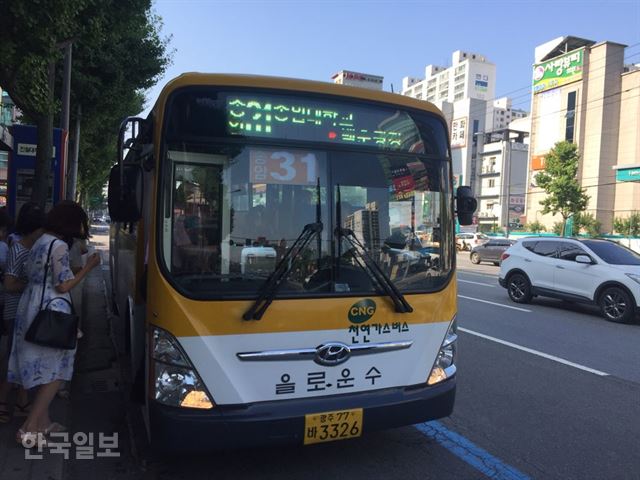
<point x="362" y="311"/>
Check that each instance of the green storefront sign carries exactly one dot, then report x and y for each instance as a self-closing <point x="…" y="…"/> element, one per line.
<point x="560" y="71"/>
<point x="628" y="174"/>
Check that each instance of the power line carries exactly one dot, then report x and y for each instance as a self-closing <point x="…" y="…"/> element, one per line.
<point x="528" y="87"/>
<point x="527" y="102"/>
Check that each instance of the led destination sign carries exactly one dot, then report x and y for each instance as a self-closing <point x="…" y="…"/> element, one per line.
<point x="299" y="118"/>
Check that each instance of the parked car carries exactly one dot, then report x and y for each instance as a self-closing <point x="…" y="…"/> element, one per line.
<point x="599" y="272"/>
<point x="466" y="241"/>
<point x="490" y="251"/>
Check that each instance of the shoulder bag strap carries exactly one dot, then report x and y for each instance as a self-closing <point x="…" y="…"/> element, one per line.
<point x="46" y="271"/>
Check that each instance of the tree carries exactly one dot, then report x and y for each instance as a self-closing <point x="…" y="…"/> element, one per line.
<point x="118" y="53"/>
<point x="118" y="56"/>
<point x="31" y="37"/>
<point x="558" y="180"/>
<point x="587" y="223"/>
<point x="535" y="227"/>
<point x="628" y="226"/>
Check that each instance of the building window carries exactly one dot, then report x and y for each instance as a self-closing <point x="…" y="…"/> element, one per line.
<point x="571" y="117"/>
<point x="491" y="183"/>
<point x="476" y="129"/>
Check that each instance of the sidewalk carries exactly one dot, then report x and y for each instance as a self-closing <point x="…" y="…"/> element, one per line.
<point x="94" y="414"/>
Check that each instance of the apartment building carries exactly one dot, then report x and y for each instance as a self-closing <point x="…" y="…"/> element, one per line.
<point x="501" y="113"/>
<point x="462" y="91"/>
<point x="470" y="75"/>
<point x="584" y="93"/>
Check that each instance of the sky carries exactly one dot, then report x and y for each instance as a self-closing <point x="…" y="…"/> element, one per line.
<point x="394" y="38"/>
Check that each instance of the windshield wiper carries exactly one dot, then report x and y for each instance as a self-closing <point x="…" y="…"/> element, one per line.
<point x="270" y="286"/>
<point x="364" y="261"/>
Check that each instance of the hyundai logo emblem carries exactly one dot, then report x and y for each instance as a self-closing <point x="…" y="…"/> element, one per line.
<point x="332" y="353"/>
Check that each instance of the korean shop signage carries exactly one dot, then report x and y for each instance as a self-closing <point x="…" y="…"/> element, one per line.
<point x="560" y="71"/>
<point x="537" y="162"/>
<point x="459" y="132"/>
<point x="628" y="174"/>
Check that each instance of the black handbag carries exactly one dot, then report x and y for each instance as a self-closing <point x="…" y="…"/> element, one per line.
<point x="50" y="328"/>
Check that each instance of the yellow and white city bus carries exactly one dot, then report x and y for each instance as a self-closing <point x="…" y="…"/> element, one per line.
<point x="283" y="254"/>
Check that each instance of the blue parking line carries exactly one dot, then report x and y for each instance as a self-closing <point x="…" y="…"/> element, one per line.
<point x="475" y="456"/>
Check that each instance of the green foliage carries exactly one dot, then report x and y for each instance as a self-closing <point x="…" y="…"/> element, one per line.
<point x="558" y="180"/>
<point x="557" y="228"/>
<point x="535" y="227"/>
<point x="97" y="202"/>
<point x="497" y="229"/>
<point x="118" y="53"/>
<point x="30" y="38"/>
<point x="629" y="226"/>
<point x="586" y="223"/>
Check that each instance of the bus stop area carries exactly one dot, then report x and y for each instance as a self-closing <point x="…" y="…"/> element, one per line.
<point x="94" y="412"/>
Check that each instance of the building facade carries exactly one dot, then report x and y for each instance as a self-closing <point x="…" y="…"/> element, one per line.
<point x="585" y="94"/>
<point x="357" y="79"/>
<point x="465" y="93"/>
<point x="501" y="113"/>
<point x="470" y="75"/>
<point x="502" y="177"/>
<point x="8" y="114"/>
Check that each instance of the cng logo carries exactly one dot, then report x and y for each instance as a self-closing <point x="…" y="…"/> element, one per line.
<point x="362" y="311"/>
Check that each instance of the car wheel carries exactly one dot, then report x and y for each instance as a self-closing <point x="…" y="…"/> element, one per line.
<point x="519" y="288"/>
<point x="497" y="264"/>
<point x="467" y="247"/>
<point x="475" y="258"/>
<point x="616" y="305"/>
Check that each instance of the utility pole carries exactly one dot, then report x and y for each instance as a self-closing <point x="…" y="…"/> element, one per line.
<point x="66" y="86"/>
<point x="507" y="153"/>
<point x="72" y="178"/>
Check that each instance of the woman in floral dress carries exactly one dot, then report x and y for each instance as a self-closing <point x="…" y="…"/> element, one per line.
<point x="32" y="365"/>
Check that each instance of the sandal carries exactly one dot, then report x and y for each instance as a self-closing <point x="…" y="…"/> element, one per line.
<point x="22" y="410"/>
<point x="5" y="417"/>
<point x="31" y="439"/>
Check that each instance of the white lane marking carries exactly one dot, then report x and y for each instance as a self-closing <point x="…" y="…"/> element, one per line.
<point x="465" y="272"/>
<point x="534" y="352"/>
<point x="496" y="304"/>
<point x="476" y="283"/>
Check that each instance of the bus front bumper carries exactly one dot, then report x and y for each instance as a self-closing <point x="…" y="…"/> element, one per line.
<point x="177" y="430"/>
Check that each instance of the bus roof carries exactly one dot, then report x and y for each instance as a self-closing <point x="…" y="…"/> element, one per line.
<point x="259" y="81"/>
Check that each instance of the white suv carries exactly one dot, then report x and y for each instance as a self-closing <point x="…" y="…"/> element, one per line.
<point x="600" y="272"/>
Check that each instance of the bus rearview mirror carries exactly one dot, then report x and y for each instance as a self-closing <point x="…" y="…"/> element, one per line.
<point x="125" y="193"/>
<point x="465" y="205"/>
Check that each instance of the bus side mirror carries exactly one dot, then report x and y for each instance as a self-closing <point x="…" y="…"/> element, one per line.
<point x="465" y="205"/>
<point x="125" y="193"/>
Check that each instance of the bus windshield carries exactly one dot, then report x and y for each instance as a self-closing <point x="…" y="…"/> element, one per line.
<point x="232" y="209"/>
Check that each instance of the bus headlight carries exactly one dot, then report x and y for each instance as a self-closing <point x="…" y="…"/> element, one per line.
<point x="444" y="366"/>
<point x="176" y="382"/>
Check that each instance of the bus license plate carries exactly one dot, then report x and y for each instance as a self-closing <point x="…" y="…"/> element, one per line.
<point x="330" y="426"/>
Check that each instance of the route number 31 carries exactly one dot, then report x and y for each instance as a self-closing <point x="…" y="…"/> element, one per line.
<point x="283" y="167"/>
